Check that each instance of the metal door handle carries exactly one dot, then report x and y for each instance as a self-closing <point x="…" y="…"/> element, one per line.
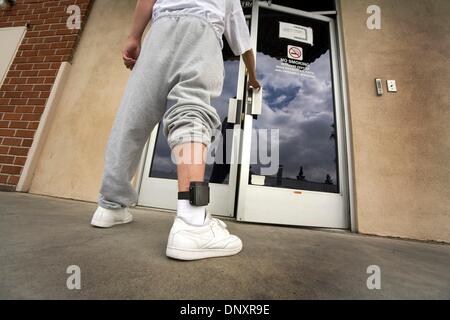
<point x="234" y="111"/>
<point x="254" y="101"/>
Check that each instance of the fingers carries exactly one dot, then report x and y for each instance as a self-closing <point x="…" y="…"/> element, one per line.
<point x="129" y="65"/>
<point x="256" y="86"/>
<point x="129" y="62"/>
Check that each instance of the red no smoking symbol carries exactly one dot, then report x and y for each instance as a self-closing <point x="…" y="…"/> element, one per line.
<point x="295" y="52"/>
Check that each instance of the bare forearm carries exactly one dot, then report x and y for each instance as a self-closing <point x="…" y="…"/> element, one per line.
<point x="249" y="60"/>
<point x="142" y="16"/>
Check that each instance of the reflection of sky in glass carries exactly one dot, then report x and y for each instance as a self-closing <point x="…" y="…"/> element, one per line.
<point x="302" y="108"/>
<point x="162" y="166"/>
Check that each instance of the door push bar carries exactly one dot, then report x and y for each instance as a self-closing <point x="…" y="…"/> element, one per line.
<point x="254" y="106"/>
<point x="254" y="101"/>
<point x="235" y="111"/>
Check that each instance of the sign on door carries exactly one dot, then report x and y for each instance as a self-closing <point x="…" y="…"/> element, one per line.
<point x="295" y="53"/>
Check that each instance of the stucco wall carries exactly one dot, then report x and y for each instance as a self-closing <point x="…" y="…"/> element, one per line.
<point x="401" y="141"/>
<point x="71" y="163"/>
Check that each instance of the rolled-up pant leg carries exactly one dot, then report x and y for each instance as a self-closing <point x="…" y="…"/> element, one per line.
<point x="141" y="108"/>
<point x="192" y="119"/>
<point x="198" y="76"/>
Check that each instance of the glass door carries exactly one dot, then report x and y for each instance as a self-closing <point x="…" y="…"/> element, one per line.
<point x="292" y="165"/>
<point x="158" y="186"/>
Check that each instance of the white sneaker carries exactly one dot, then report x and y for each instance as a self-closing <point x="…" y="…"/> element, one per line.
<point x="106" y="218"/>
<point x="188" y="242"/>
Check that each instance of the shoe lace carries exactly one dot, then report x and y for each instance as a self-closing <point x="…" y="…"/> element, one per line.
<point x="218" y="222"/>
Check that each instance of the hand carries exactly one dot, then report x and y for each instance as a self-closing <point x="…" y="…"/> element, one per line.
<point x="130" y="52"/>
<point x="252" y="82"/>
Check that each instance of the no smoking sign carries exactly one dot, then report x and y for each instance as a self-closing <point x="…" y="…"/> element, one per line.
<point x="295" y="53"/>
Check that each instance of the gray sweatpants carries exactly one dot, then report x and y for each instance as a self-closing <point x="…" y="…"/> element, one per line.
<point x="180" y="65"/>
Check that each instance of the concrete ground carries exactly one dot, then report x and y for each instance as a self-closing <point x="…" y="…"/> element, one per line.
<point x="41" y="236"/>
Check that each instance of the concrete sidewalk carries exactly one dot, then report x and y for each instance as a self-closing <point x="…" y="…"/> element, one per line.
<point x="41" y="236"/>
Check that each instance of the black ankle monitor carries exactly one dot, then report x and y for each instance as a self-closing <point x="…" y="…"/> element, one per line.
<point x="198" y="194"/>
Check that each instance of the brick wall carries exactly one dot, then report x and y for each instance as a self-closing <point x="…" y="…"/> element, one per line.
<point x="27" y="85"/>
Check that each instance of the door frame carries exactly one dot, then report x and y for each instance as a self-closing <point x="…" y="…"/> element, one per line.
<point x="348" y="138"/>
<point x="242" y="214"/>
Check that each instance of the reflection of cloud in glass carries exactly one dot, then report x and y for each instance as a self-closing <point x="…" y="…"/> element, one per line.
<point x="302" y="109"/>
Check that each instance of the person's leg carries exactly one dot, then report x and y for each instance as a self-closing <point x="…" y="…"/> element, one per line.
<point x="190" y="126"/>
<point x="191" y="122"/>
<point x="140" y="110"/>
<point x="138" y="114"/>
<point x="190" y="164"/>
<point x="190" y="159"/>
<point x="142" y="107"/>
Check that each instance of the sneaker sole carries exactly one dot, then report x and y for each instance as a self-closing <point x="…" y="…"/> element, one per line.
<point x="102" y="224"/>
<point x="197" y="254"/>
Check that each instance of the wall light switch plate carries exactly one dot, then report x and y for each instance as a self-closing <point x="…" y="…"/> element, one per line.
<point x="379" y="86"/>
<point x="392" y="86"/>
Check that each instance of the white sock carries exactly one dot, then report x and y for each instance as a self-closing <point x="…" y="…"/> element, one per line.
<point x="191" y="214"/>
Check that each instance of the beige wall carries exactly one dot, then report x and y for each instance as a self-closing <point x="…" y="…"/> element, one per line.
<point x="401" y="141"/>
<point x="71" y="163"/>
